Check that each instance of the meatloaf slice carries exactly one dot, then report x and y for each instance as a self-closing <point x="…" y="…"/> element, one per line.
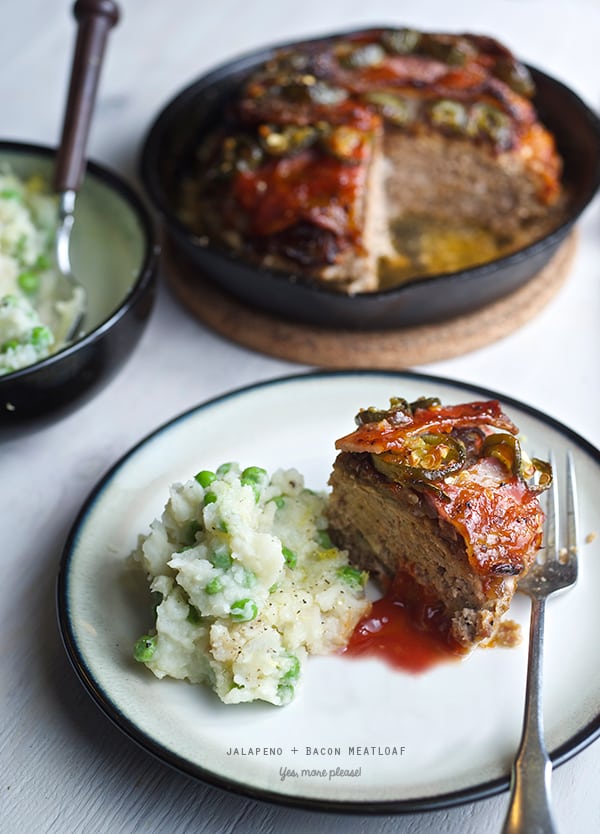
<point x="442" y="495"/>
<point x="388" y="527"/>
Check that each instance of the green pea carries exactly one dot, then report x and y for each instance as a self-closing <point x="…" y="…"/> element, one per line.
<point x="40" y="336"/>
<point x="215" y="586"/>
<point x="352" y="577"/>
<point x="224" y="468"/>
<point x="279" y="501"/>
<point x="20" y="247"/>
<point x="248" y="578"/>
<point x="29" y="282"/>
<point x="205" y="477"/>
<point x="253" y="475"/>
<point x="42" y="262"/>
<point x="221" y="558"/>
<point x="324" y="539"/>
<point x="290" y="557"/>
<point x="285" y="691"/>
<point x="10" y="344"/>
<point x="209" y="497"/>
<point x="243" y="610"/>
<point x="293" y="673"/>
<point x="145" y="647"/>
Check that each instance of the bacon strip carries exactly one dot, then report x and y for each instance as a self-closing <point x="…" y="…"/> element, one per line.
<point x="385" y="437"/>
<point x="499" y="518"/>
<point x="495" y="512"/>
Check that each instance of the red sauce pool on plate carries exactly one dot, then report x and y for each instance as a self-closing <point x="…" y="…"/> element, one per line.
<point x="405" y="629"/>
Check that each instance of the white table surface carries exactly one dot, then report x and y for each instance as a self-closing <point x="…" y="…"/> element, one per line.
<point x="64" y="767"/>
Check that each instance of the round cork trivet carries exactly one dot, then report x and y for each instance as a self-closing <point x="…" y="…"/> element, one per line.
<point x="380" y="349"/>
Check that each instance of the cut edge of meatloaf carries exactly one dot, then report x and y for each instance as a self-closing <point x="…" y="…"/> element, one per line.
<point x="389" y="527"/>
<point x="453" y="179"/>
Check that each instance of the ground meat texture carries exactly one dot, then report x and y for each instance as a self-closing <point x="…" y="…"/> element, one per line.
<point x="389" y="527"/>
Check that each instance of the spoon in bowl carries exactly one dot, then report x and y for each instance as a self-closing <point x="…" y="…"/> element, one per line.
<point x="95" y="19"/>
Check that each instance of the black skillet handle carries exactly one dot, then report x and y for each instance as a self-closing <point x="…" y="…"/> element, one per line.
<point x="95" y="19"/>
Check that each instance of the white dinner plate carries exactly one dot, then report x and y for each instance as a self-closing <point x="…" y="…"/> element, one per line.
<point x="360" y="735"/>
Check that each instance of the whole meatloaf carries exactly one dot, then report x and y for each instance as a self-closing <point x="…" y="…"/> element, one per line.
<point x="441" y="496"/>
<point x="341" y="157"/>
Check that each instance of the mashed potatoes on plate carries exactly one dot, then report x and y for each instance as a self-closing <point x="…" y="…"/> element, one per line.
<point x="247" y="582"/>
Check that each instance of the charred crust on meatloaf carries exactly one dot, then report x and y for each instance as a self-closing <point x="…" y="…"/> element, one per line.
<point x="326" y="107"/>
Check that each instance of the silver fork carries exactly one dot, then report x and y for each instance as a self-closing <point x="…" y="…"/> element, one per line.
<point x="529" y="810"/>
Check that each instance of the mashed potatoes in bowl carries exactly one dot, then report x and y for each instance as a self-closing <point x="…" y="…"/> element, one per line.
<point x="247" y="584"/>
<point x="32" y="318"/>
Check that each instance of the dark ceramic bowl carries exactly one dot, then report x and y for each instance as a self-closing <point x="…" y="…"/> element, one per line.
<point x="168" y="149"/>
<point x="114" y="255"/>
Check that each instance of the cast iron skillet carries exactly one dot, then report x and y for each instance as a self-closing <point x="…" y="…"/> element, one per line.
<point x="176" y="131"/>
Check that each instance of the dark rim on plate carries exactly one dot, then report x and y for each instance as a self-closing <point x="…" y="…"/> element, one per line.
<point x="145" y="272"/>
<point x="563" y="753"/>
<point x="362" y="305"/>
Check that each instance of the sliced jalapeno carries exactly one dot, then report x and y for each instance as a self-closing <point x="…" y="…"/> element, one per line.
<point x="342" y="142"/>
<point x="421" y="402"/>
<point x="287" y="140"/>
<point x="424" y="457"/>
<point x="241" y="153"/>
<point x="401" y="41"/>
<point x="360" y="57"/>
<point x="447" y="113"/>
<point x="545" y="474"/>
<point x="453" y="51"/>
<point x="490" y="121"/>
<point x="399" y="413"/>
<point x="396" y="109"/>
<point x="516" y="75"/>
<point x="322" y="93"/>
<point x="505" y="448"/>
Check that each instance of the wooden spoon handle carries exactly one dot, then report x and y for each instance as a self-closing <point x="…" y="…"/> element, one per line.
<point x="95" y="19"/>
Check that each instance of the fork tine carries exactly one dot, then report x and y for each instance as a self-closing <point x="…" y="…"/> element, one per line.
<point x="552" y="520"/>
<point x="572" y="524"/>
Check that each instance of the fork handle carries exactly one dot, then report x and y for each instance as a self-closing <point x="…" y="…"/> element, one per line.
<point x="95" y="19"/>
<point x="529" y="810"/>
